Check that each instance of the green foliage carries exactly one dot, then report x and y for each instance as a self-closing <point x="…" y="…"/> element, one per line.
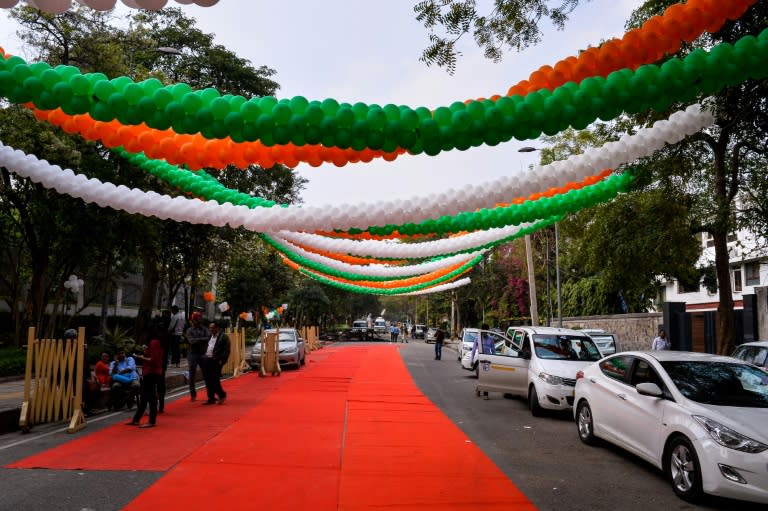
<point x="116" y="339"/>
<point x="510" y="24"/>
<point x="12" y="361"/>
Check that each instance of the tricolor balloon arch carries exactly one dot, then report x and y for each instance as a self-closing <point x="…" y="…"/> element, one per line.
<point x="357" y="247"/>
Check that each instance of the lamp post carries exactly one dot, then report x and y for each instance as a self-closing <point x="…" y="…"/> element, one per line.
<point x="529" y="149"/>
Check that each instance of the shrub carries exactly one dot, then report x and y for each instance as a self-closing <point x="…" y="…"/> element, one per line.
<point x="13" y="361"/>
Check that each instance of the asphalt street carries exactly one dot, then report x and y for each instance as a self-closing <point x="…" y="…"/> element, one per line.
<point x="542" y="456"/>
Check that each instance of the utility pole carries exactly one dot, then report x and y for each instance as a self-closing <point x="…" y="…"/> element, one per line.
<point x="531" y="282"/>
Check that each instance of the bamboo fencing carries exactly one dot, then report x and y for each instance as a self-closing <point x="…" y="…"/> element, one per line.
<point x="53" y="382"/>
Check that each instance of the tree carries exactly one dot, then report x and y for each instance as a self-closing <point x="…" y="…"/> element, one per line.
<point x="168" y="252"/>
<point x="712" y="168"/>
<point x="510" y="24"/>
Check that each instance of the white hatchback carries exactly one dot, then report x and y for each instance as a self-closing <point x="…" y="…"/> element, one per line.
<point x="700" y="418"/>
<point x="538" y="363"/>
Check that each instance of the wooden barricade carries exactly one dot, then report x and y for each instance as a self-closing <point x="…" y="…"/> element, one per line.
<point x="53" y="382"/>
<point x="236" y="365"/>
<point x="270" y="348"/>
<point x="310" y="335"/>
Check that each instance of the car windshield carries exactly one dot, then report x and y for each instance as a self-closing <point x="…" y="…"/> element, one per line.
<point x="565" y="347"/>
<point x="720" y="383"/>
<point x="470" y="337"/>
<point x="359" y="324"/>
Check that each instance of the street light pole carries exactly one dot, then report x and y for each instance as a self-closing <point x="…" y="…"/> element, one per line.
<point x="557" y="276"/>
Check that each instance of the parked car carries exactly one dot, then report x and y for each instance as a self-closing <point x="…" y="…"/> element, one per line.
<point x="362" y="329"/>
<point x="607" y="343"/>
<point x="420" y="332"/>
<point x="700" y="418"/>
<point x="470" y="360"/>
<point x="430" y="335"/>
<point x="291" y="348"/>
<point x="467" y="339"/>
<point x="753" y="352"/>
<point x="538" y="363"/>
<point x="380" y="326"/>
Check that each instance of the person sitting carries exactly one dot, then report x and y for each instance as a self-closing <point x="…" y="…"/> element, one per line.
<point x="125" y="381"/>
<point x="101" y="370"/>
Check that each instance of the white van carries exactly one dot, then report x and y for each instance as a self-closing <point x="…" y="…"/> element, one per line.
<point x="538" y="363"/>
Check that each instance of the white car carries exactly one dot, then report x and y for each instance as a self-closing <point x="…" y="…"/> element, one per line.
<point x="538" y="363"/>
<point x="291" y="349"/>
<point x="753" y="352"/>
<point x="380" y="326"/>
<point x="606" y="342"/>
<point x="468" y="338"/>
<point x="470" y="360"/>
<point x="700" y="418"/>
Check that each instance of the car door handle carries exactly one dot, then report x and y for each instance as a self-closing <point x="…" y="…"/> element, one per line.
<point x="593" y="380"/>
<point x="622" y="396"/>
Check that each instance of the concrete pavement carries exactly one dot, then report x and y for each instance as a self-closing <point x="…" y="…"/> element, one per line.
<point x="12" y="395"/>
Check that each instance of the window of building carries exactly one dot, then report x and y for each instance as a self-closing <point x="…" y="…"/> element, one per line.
<point x="752" y="271"/>
<point x="737" y="280"/>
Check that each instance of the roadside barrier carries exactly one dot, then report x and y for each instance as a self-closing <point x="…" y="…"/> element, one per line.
<point x="236" y="365"/>
<point x="53" y="382"/>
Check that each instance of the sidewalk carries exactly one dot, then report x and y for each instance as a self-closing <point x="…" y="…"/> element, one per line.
<point x="12" y="395"/>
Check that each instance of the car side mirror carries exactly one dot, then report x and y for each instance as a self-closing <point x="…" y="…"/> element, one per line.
<point x="649" y="389"/>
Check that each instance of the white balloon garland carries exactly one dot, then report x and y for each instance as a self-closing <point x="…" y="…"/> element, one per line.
<point x="377" y="270"/>
<point x="439" y="288"/>
<point x="60" y="6"/>
<point x="397" y="250"/>
<point x="295" y="218"/>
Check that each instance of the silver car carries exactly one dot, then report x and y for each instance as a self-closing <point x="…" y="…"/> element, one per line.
<point x="291" y="348"/>
<point x="753" y="352"/>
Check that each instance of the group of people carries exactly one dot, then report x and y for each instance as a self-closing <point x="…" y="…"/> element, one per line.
<point x="394" y="333"/>
<point x="206" y="347"/>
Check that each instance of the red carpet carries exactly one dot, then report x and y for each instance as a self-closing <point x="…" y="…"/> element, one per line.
<point x="351" y="431"/>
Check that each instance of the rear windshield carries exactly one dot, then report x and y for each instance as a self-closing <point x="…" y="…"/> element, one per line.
<point x="359" y="324"/>
<point x="565" y="347"/>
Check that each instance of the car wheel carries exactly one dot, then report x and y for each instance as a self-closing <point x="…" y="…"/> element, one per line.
<point x="585" y="423"/>
<point x="683" y="469"/>
<point x="533" y="402"/>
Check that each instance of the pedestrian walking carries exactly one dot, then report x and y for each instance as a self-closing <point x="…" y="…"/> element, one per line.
<point x="176" y="326"/>
<point x="216" y="355"/>
<point x="151" y="373"/>
<point x="661" y="342"/>
<point x="439" y="338"/>
<point x="197" y="337"/>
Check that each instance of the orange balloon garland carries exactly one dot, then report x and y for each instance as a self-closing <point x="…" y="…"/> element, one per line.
<point x="658" y="36"/>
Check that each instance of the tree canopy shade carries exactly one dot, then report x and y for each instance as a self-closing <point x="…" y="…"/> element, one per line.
<point x="510" y="24"/>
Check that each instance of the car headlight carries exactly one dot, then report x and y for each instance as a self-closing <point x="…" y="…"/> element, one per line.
<point x="551" y="379"/>
<point x="727" y="437"/>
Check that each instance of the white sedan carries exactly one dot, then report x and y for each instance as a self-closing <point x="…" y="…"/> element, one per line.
<point x="700" y="418"/>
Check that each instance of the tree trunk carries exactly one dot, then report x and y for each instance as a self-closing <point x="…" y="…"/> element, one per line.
<point x="725" y="325"/>
<point x="151" y="277"/>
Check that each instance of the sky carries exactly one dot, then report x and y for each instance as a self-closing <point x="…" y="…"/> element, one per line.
<point x="368" y="51"/>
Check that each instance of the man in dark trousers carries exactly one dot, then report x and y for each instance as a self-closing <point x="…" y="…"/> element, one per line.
<point x="216" y="355"/>
<point x="439" y="337"/>
<point x="197" y="336"/>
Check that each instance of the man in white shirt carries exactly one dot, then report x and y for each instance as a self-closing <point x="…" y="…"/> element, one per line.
<point x="176" y="331"/>
<point x="661" y="342"/>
